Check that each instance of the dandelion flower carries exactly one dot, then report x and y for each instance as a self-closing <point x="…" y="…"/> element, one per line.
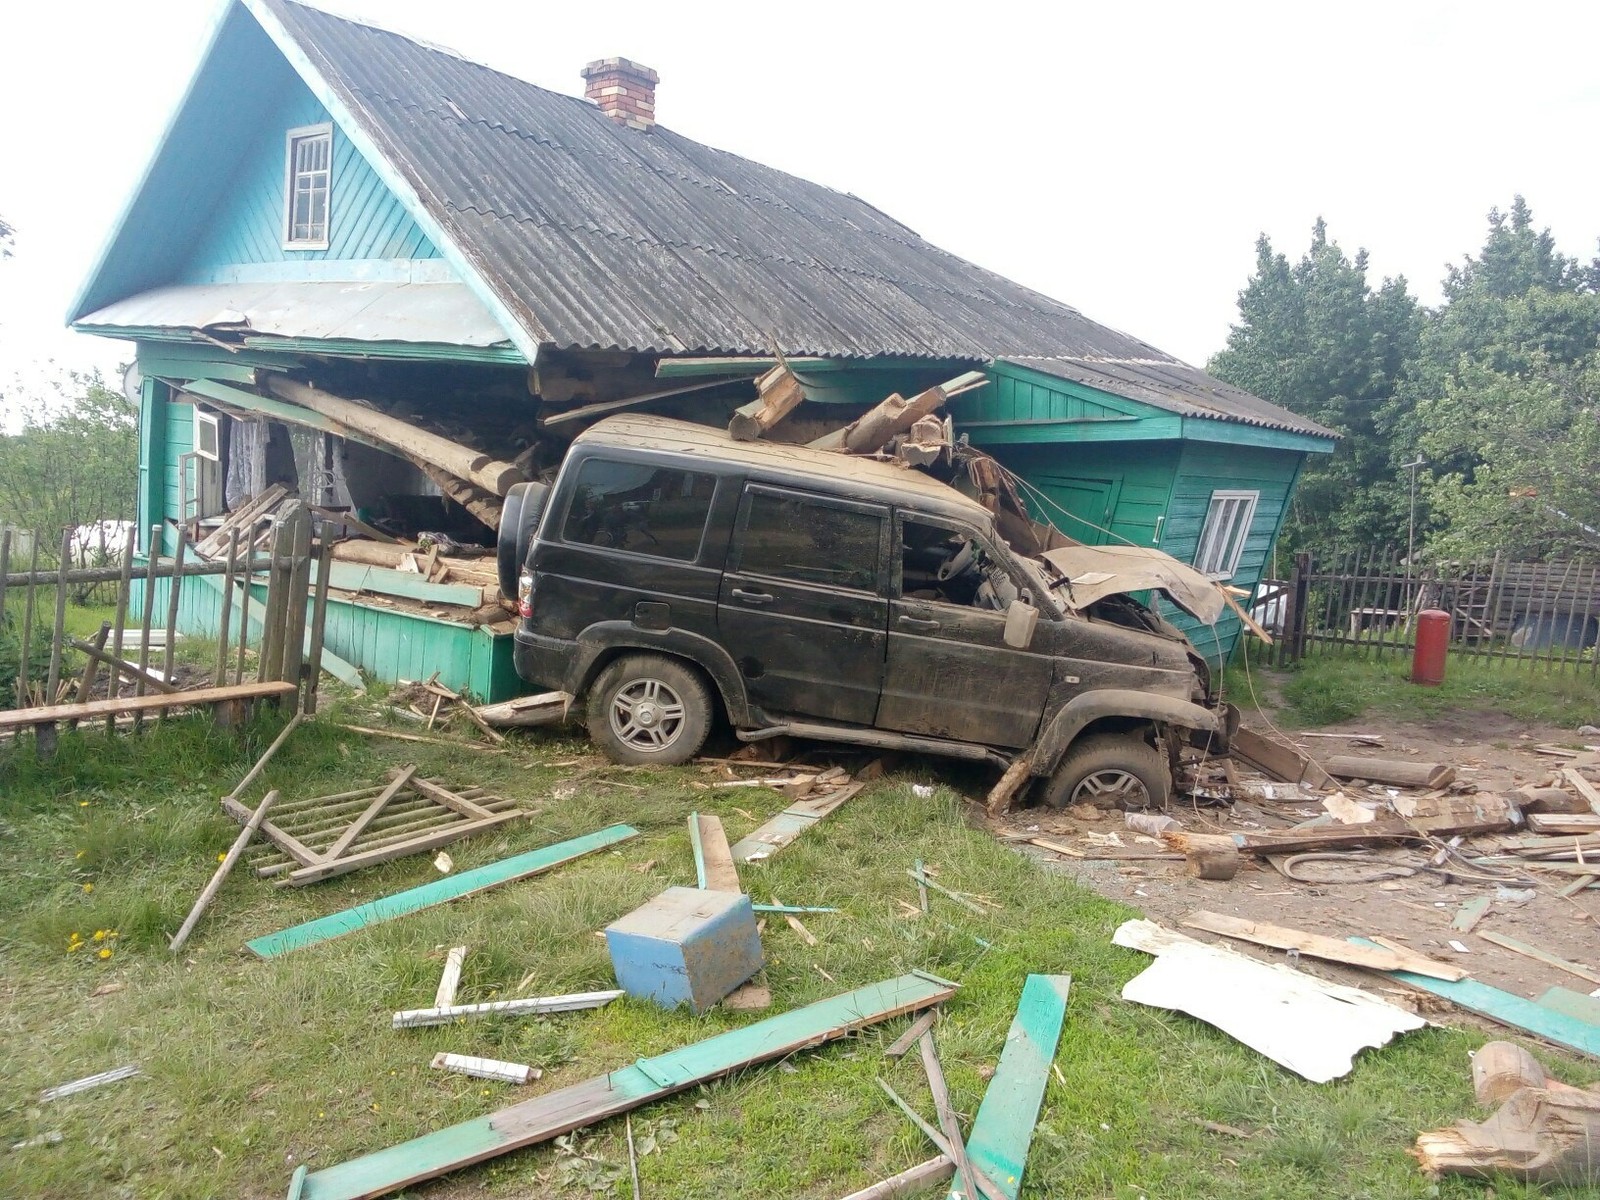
<point x="222" y="856"/>
<point x="105" y="952"/>
<point x="87" y="888"/>
<point x="99" y="935"/>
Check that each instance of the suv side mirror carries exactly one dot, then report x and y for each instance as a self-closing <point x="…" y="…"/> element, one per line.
<point x="1021" y="620"/>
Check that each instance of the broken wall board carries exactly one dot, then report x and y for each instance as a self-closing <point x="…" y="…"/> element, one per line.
<point x="790" y="824"/>
<point x="544" y="1117"/>
<point x="1317" y="945"/>
<point x="1508" y="1009"/>
<point x="449" y="1014"/>
<point x="1312" y="1027"/>
<point x="440" y="891"/>
<point x="1577" y="1005"/>
<point x="1003" y="1129"/>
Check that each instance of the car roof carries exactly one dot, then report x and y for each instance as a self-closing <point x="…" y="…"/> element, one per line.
<point x="850" y="476"/>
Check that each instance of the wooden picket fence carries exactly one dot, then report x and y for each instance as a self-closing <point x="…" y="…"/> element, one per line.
<point x="136" y="650"/>
<point x="1543" y="615"/>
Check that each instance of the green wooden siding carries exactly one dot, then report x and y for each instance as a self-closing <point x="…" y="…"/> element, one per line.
<point x="366" y="219"/>
<point x="1135" y="478"/>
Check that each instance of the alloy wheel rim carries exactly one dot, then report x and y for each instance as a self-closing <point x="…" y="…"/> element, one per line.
<point x="1111" y="786"/>
<point x="647" y="715"/>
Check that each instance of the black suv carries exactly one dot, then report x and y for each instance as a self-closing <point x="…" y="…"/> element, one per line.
<point x="671" y="574"/>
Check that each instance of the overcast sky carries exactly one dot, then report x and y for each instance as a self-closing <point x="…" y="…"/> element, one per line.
<point x="1120" y="157"/>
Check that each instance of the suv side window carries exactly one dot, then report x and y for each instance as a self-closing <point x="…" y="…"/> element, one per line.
<point x="640" y="508"/>
<point x="790" y="535"/>
<point x="945" y="564"/>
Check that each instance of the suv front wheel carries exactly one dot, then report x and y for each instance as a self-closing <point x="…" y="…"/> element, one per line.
<point x="647" y="709"/>
<point x="1111" y="770"/>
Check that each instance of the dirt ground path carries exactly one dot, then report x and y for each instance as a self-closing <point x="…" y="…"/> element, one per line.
<point x="1488" y="749"/>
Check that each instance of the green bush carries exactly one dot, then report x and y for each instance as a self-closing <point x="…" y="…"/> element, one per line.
<point x="11" y="656"/>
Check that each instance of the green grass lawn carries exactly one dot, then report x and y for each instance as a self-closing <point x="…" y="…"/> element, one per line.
<point x="253" y="1067"/>
<point x="1331" y="687"/>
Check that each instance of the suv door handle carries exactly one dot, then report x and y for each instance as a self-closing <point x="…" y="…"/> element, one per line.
<point x="745" y="597"/>
<point x="922" y="624"/>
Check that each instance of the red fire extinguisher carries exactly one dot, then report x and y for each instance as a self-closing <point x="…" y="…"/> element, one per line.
<point x="1433" y="639"/>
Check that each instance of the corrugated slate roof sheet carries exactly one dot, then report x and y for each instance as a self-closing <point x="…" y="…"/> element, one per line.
<point x="601" y="236"/>
<point x="1176" y="387"/>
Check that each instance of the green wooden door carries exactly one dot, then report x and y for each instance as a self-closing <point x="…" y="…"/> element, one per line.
<point x="1093" y="502"/>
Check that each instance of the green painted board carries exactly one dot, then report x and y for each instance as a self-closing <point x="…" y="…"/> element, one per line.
<point x="544" y="1117"/>
<point x="1506" y="1008"/>
<point x="1003" y="1130"/>
<point x="440" y="891"/>
<point x="1578" y="1005"/>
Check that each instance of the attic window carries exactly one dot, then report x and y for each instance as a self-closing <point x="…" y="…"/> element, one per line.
<point x="309" y="163"/>
<point x="1226" y="530"/>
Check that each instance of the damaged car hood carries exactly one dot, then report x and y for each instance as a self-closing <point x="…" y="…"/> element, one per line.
<point x="1095" y="572"/>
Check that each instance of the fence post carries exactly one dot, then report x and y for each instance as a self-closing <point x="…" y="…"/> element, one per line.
<point x="1292" y="647"/>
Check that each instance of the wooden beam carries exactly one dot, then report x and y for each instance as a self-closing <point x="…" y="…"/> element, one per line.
<point x="1003" y="1129"/>
<point x="779" y="394"/>
<point x="607" y="406"/>
<point x="966" y="1188"/>
<point x="450" y="978"/>
<point x="895" y="415"/>
<point x="127" y="670"/>
<point x="440" y="891"/>
<point x="1544" y="956"/>
<point x="941" y="1143"/>
<point x="909" y="1038"/>
<point x="1280" y="762"/>
<point x="193" y="698"/>
<point x="1318" y="946"/>
<point x="379" y="802"/>
<point x="777" y="833"/>
<point x="616" y="1092"/>
<point x="913" y="1181"/>
<point x="461" y="461"/>
<point x="1584" y="787"/>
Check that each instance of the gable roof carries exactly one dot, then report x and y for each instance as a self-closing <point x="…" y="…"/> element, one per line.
<point x="1176" y="387"/>
<point x="576" y="232"/>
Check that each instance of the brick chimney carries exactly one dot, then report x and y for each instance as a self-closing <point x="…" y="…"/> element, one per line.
<point x="624" y="90"/>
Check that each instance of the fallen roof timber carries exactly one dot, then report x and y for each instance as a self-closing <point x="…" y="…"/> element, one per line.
<point x="548" y="1116"/>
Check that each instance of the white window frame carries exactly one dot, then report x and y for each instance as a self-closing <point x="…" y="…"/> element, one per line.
<point x="292" y="139"/>
<point x="1229" y="515"/>
<point x="207" y="421"/>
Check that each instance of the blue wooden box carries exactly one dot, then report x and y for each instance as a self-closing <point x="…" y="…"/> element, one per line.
<point x="687" y="946"/>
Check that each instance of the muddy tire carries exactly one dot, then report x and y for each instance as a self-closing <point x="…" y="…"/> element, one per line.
<point x="1110" y="770"/>
<point x="649" y="710"/>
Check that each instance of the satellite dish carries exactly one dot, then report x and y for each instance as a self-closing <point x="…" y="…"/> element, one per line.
<point x="132" y="383"/>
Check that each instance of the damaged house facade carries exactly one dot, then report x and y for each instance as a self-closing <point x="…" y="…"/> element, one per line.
<point x="395" y="283"/>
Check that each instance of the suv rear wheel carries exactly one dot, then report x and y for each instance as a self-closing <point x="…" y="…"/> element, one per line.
<point x="1110" y="770"/>
<point x="647" y="709"/>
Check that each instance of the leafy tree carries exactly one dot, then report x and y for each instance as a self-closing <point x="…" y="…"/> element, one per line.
<point x="1316" y="338"/>
<point x="1504" y="398"/>
<point x="72" y="458"/>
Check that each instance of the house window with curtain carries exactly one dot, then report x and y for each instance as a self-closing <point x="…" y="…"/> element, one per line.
<point x="310" y="163"/>
<point x="1225" y="532"/>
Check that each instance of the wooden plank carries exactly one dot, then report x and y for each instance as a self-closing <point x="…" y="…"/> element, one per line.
<point x="907" y="1039"/>
<point x="1578" y="1005"/>
<point x="440" y="891"/>
<point x="450" y="978"/>
<point x="193" y="698"/>
<point x="922" y="881"/>
<point x="379" y="802"/>
<point x="1469" y="914"/>
<point x="126" y="669"/>
<point x="605" y="406"/>
<point x="449" y="1014"/>
<point x="913" y="1181"/>
<point x="713" y="860"/>
<point x="1550" y="960"/>
<point x="279" y="837"/>
<point x="448" y="799"/>
<point x="941" y="1143"/>
<point x="400" y="736"/>
<point x="209" y="892"/>
<point x="433" y="839"/>
<point x="966" y="1188"/>
<point x="1317" y="945"/>
<point x="612" y="1094"/>
<point x="1003" y="1129"/>
<point x="354" y="577"/>
<point x="115" y="1075"/>
<point x="1583" y="787"/>
<point x="1575" y="823"/>
<point x="777" y="833"/>
<point x="1510" y="1010"/>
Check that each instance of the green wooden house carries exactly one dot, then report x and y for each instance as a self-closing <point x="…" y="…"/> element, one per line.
<point x="338" y="206"/>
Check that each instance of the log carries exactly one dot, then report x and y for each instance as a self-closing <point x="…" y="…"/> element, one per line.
<point x="547" y="708"/>
<point x="1000" y="796"/>
<point x="475" y="500"/>
<point x="1500" y="1068"/>
<point x="1391" y="771"/>
<point x="1550" y="800"/>
<point x="1208" y="856"/>
<point x="780" y="394"/>
<point x="1540" y="1135"/>
<point x="485" y="470"/>
<point x="1481" y="812"/>
<point x="894" y="416"/>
